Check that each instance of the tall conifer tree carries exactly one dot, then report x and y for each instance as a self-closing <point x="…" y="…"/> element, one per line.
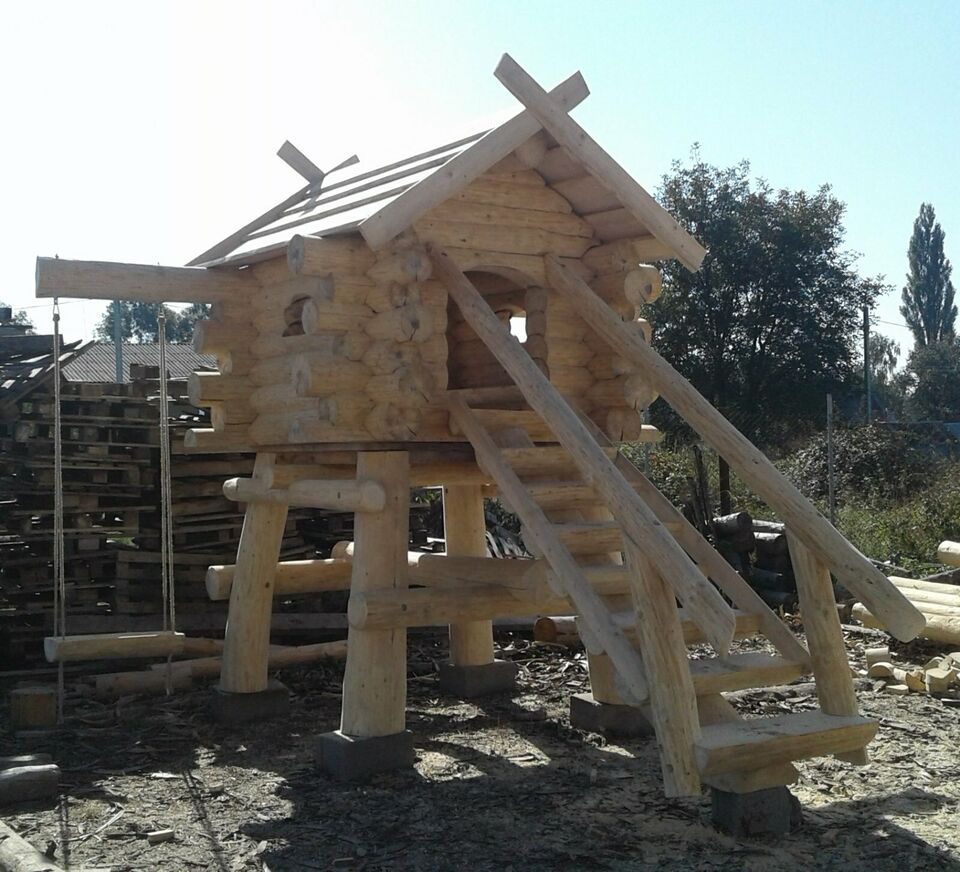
<point x="928" y="305"/>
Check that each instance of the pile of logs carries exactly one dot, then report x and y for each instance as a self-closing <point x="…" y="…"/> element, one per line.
<point x="758" y="550"/>
<point x="939" y="602"/>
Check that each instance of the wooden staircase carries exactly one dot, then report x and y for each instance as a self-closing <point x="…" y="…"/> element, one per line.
<point x="625" y="556"/>
<point x="558" y="508"/>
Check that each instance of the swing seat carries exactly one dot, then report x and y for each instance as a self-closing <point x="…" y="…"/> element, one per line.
<point x="112" y="646"/>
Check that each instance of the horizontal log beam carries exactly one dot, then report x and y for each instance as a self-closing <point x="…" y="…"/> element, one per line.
<point x="342" y="495"/>
<point x="102" y="280"/>
<point x="290" y="578"/>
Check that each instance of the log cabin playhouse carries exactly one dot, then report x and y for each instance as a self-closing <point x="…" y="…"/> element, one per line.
<point x="363" y="333"/>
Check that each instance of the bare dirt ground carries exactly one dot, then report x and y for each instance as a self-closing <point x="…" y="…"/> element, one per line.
<point x="502" y="784"/>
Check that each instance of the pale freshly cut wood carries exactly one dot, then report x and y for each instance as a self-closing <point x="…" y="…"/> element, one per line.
<point x="569" y="574"/>
<point x="584" y="148"/>
<point x="465" y="533"/>
<point x="247" y="636"/>
<point x="309" y="255"/>
<point x="807" y="524"/>
<point x="394" y="218"/>
<point x="713" y="564"/>
<point x="754" y="744"/>
<point x="98" y="280"/>
<point x="828" y="650"/>
<point x="702" y="600"/>
<point x="277" y="657"/>
<point x="936" y="628"/>
<point x="949" y="552"/>
<point x="673" y="703"/>
<point x="109" y="646"/>
<point x="290" y="577"/>
<point x="740" y="671"/>
<point x="343" y="495"/>
<point x="111" y="685"/>
<point x="375" y="679"/>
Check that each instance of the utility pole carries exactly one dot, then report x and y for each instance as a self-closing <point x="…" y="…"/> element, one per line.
<point x="866" y="360"/>
<point x="118" y="340"/>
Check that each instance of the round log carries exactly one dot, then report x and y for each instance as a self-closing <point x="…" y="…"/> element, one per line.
<point x="322" y="316"/>
<point x="411" y="323"/>
<point x="402" y="267"/>
<point x="407" y="386"/>
<point x="392" y="423"/>
<point x="309" y="255"/>
<point x="949" y="552"/>
<point x="319" y="377"/>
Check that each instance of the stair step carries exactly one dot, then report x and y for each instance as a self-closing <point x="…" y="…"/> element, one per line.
<point x="740" y="671"/>
<point x="545" y="460"/>
<point x="754" y="744"/>
<point x="563" y="494"/>
<point x="581" y="538"/>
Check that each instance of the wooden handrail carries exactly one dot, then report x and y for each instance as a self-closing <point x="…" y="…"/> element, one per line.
<point x="872" y="587"/>
<point x="703" y="601"/>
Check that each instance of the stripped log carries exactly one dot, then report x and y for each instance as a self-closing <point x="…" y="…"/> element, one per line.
<point x="290" y="578"/>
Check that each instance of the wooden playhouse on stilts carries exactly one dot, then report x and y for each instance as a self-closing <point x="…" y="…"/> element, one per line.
<point x="363" y="331"/>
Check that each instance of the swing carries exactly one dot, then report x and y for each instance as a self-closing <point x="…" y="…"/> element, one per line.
<point x="61" y="648"/>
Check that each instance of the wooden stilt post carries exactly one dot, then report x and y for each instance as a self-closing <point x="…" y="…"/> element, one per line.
<point x="828" y="653"/>
<point x="372" y="735"/>
<point x="472" y="670"/>
<point x="247" y="638"/>
<point x="471" y="643"/>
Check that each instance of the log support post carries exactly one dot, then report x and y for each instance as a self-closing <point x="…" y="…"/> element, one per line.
<point x="245" y="692"/>
<point x="828" y="651"/>
<point x="372" y="736"/>
<point x="472" y="671"/>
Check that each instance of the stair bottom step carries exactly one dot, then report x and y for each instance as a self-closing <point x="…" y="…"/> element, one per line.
<point x="754" y="744"/>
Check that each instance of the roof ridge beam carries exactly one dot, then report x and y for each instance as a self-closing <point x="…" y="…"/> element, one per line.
<point x="379" y="228"/>
<point x="553" y="116"/>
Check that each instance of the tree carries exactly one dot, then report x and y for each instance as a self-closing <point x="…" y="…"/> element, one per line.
<point x="928" y="305"/>
<point x="768" y="325"/>
<point x="888" y="387"/>
<point x="138" y="321"/>
<point x="934" y="371"/>
<point x="21" y="318"/>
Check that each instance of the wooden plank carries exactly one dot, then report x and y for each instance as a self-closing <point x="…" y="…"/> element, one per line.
<point x="379" y="228"/>
<point x="109" y="646"/>
<point x="703" y="602"/>
<point x="828" y="650"/>
<point x="754" y="744"/>
<point x="807" y="524"/>
<point x="582" y="146"/>
<point x="102" y="280"/>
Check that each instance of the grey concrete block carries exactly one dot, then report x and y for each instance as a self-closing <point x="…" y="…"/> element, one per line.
<point x="624" y="721"/>
<point x="352" y="757"/>
<point x="243" y="708"/>
<point x="772" y="811"/>
<point x="470" y="682"/>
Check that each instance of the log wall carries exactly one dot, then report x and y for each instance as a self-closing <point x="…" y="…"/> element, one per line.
<point x="340" y="344"/>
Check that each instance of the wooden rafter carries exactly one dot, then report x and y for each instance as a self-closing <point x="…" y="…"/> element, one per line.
<point x="555" y="120"/>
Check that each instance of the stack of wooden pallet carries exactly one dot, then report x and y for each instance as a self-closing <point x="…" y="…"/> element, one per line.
<point x="111" y="492"/>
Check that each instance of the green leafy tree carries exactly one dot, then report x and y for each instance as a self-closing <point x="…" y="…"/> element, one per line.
<point x="21" y="318"/>
<point x="934" y="371"/>
<point x="138" y="322"/>
<point x="928" y="305"/>
<point x="888" y="386"/>
<point x="768" y="325"/>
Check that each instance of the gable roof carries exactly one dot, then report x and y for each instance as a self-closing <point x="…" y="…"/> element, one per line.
<point x="97" y="362"/>
<point x="383" y="202"/>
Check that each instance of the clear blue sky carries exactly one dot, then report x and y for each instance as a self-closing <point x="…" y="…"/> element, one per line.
<point x="145" y="132"/>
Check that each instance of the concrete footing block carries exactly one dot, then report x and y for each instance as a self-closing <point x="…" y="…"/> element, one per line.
<point x="243" y="708"/>
<point x="350" y="758"/>
<point x="610" y="719"/>
<point x="470" y="682"/>
<point x="772" y="811"/>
